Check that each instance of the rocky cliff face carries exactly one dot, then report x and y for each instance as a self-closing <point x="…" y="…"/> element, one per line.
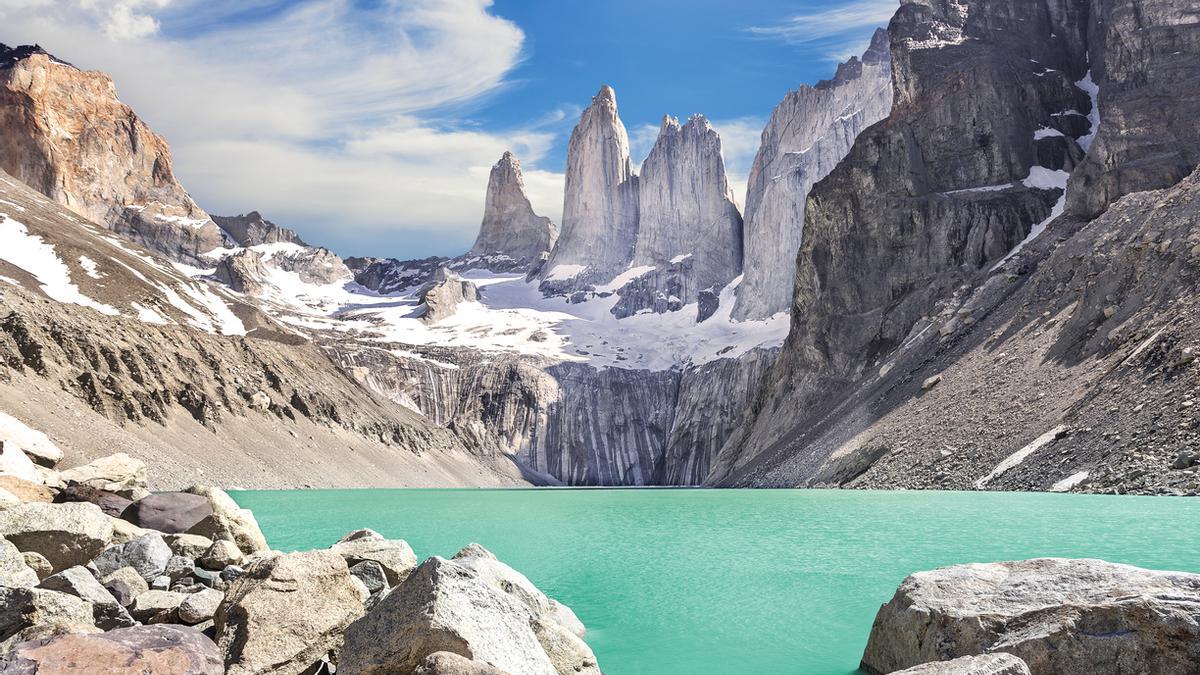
<point x="600" y="205"/>
<point x="931" y="323"/>
<point x="252" y="229"/>
<point x="67" y="135"/>
<point x="510" y="228"/>
<point x="689" y="237"/>
<point x="810" y="131"/>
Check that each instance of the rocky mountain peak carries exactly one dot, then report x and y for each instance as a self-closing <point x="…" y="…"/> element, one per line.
<point x="64" y="132"/>
<point x="600" y="207"/>
<point x="252" y="229"/>
<point x="809" y="132"/>
<point x="9" y="56"/>
<point x="510" y="230"/>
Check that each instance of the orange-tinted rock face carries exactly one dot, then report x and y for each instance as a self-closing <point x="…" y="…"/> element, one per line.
<point x="64" y="132"/>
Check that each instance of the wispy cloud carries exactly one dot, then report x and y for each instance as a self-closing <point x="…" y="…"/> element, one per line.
<point x="349" y="120"/>
<point x="839" y="28"/>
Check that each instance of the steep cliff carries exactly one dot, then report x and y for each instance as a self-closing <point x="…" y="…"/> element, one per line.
<point x="600" y="203"/>
<point x="809" y="132"/>
<point x="510" y="228"/>
<point x="689" y="238"/>
<point x="937" y="339"/>
<point x="67" y="135"/>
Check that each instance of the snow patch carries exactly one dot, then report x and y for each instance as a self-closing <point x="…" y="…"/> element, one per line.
<point x="564" y="272"/>
<point x="148" y="315"/>
<point x="1046" y="132"/>
<point x="1043" y="179"/>
<point x="1088" y="86"/>
<point x="32" y="254"/>
<point x="625" y="277"/>
<point x="1069" y="482"/>
<point x="89" y="266"/>
<point x="680" y="258"/>
<point x="1021" y="455"/>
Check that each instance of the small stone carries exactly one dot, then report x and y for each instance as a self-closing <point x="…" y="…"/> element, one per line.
<point x="125" y="585"/>
<point x="1185" y="459"/>
<point x="161" y="606"/>
<point x="188" y="545"/>
<point x="38" y="563"/>
<point x="13" y="569"/>
<point x="179" y="567"/>
<point x="931" y="382"/>
<point x="370" y="573"/>
<point x="200" y="606"/>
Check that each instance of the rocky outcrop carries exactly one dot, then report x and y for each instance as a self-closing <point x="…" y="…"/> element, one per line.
<point x="600" y="206"/>
<point x="251" y="229"/>
<point x="809" y="132"/>
<point x="68" y="136"/>
<point x="445" y="605"/>
<point x="286" y="613"/>
<point x="1058" y="616"/>
<point x="927" y="200"/>
<point x="242" y="271"/>
<point x="510" y="228"/>
<point x="689" y="237"/>
<point x="442" y="296"/>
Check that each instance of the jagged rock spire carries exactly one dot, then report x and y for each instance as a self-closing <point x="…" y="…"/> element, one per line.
<point x="600" y="209"/>
<point x="510" y="227"/>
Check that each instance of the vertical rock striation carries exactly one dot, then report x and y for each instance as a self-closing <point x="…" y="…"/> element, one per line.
<point x="510" y="228"/>
<point x="810" y="131"/>
<point x="689" y="227"/>
<point x="600" y="204"/>
<point x="67" y="135"/>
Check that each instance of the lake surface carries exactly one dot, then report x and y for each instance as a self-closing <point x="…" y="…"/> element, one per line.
<point x="732" y="581"/>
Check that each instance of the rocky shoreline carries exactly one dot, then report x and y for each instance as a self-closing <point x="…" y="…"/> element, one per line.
<point x="97" y="574"/>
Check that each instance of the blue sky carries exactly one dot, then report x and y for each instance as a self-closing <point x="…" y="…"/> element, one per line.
<point x="370" y="125"/>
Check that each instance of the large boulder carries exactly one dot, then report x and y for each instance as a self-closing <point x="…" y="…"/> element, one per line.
<point x="107" y="613"/>
<point x="65" y="534"/>
<point x="15" y="434"/>
<point x="286" y="613"/>
<point x="25" y="490"/>
<point x="141" y="649"/>
<point x="118" y="473"/>
<point x="1060" y="616"/>
<point x="984" y="664"/>
<point x="22" y="608"/>
<point x="444" y="606"/>
<point x="169" y="512"/>
<point x="395" y="556"/>
<point x="157" y="606"/>
<point x="506" y="579"/>
<point x="228" y="521"/>
<point x="109" y="502"/>
<point x="13" y="569"/>
<point x="15" y="463"/>
<point x="148" y="554"/>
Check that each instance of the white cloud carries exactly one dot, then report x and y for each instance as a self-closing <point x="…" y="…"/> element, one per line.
<point x="328" y="115"/>
<point x="833" y="27"/>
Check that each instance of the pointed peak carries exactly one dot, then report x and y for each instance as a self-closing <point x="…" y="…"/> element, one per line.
<point x="606" y="93"/>
<point x="880" y="49"/>
<point x="669" y="122"/>
<point x="10" y="56"/>
<point x="508" y="158"/>
<point x="698" y="120"/>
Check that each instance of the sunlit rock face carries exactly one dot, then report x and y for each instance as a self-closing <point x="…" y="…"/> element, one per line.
<point x="810" y="131"/>
<point x="600" y="204"/>
<point x="510" y="228"/>
<point x="67" y="135"/>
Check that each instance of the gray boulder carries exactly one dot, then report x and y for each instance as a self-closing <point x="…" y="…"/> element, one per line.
<point x="394" y="555"/>
<point x="506" y="579"/>
<point x="21" y="608"/>
<point x="188" y="545"/>
<point x="286" y="613"/>
<point x="13" y="570"/>
<point x="169" y="512"/>
<point x="107" y="613"/>
<point x="157" y="606"/>
<point x="220" y="555"/>
<point x="984" y="664"/>
<point x="200" y="606"/>
<point x="148" y="554"/>
<point x="65" y="534"/>
<point x="1060" y="616"/>
<point x="139" y="649"/>
<point x="444" y="606"/>
<point x="125" y="585"/>
<point x="372" y="576"/>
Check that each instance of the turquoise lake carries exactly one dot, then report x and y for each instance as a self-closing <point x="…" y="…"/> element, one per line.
<point x="734" y="581"/>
